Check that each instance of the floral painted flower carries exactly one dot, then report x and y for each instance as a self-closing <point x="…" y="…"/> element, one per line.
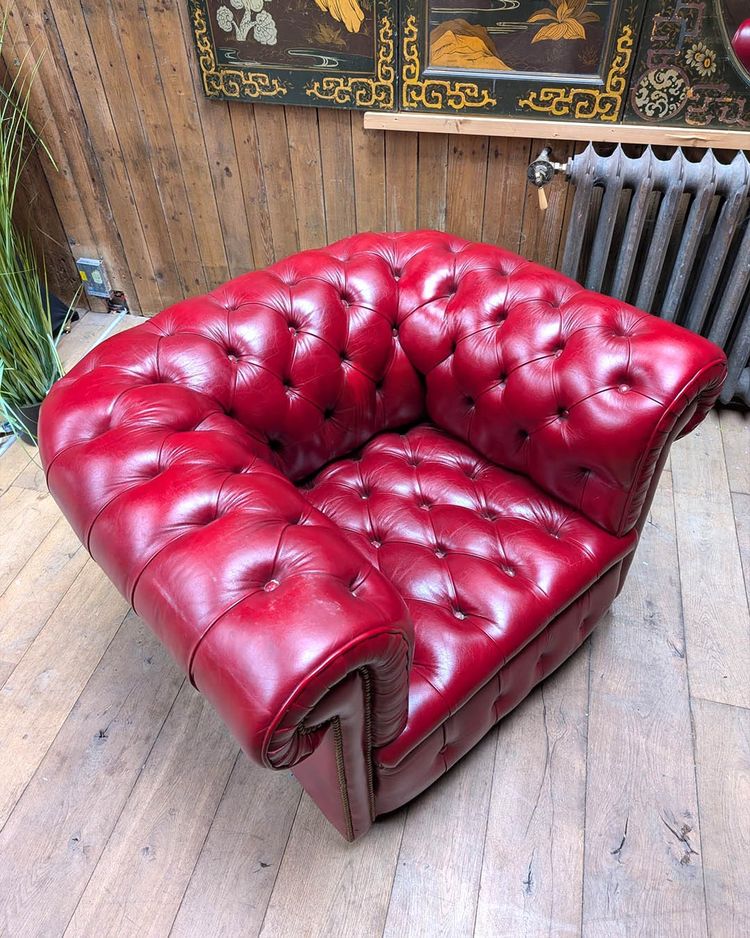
<point x="701" y="59"/>
<point x="263" y="26"/>
<point x="569" y="20"/>
<point x="225" y="19"/>
<point x="264" y="30"/>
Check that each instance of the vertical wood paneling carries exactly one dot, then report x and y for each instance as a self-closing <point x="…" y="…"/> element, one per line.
<point x="253" y="183"/>
<point x="338" y="173"/>
<point x="99" y="118"/>
<point x="175" y="74"/>
<point x="432" y="180"/>
<point x="505" y="192"/>
<point x="307" y="178"/>
<point x="145" y="79"/>
<point x="368" y="152"/>
<point x="401" y="176"/>
<point x="37" y="214"/>
<point x="76" y="184"/>
<point x="129" y="147"/>
<point x="276" y="167"/>
<point x="177" y="192"/>
<point x="467" y="178"/>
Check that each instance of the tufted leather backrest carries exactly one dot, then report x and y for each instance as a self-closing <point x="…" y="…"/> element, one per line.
<point x="308" y="359"/>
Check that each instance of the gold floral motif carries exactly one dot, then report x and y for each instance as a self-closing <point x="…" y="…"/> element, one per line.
<point x="226" y="81"/>
<point x="701" y="59"/>
<point x="569" y="21"/>
<point x="428" y="92"/>
<point x="589" y="103"/>
<point x="354" y="91"/>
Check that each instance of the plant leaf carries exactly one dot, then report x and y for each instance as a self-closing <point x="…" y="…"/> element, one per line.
<point x="573" y="30"/>
<point x="542" y="15"/>
<point x="588" y="17"/>
<point x="553" y="31"/>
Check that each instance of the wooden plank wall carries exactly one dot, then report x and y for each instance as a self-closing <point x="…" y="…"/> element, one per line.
<point x="178" y="193"/>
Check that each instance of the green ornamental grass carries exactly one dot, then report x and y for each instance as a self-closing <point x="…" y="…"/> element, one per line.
<point x="29" y="362"/>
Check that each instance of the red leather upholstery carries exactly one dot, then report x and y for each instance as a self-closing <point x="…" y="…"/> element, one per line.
<point x="421" y="588"/>
<point x="741" y="43"/>
<point x="483" y="558"/>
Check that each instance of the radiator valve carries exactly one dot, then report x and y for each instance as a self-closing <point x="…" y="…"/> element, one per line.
<point x="542" y="171"/>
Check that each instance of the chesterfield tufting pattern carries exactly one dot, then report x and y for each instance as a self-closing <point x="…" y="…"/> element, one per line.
<point x="371" y="496"/>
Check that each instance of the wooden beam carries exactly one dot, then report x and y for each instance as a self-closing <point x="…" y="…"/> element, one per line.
<point x="558" y="130"/>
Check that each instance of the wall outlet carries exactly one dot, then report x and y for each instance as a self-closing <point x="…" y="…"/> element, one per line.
<point x="94" y="276"/>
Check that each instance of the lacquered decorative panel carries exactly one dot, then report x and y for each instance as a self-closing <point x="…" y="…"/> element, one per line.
<point x="340" y="53"/>
<point x="687" y="71"/>
<point x="536" y="58"/>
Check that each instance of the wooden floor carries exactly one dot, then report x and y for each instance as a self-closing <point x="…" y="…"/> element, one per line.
<point x="614" y="802"/>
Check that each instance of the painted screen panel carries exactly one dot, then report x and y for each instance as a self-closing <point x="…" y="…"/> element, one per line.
<point x="540" y="37"/>
<point x="687" y="72"/>
<point x="315" y="52"/>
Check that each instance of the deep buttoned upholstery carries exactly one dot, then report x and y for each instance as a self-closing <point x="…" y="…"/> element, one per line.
<point x="370" y="496"/>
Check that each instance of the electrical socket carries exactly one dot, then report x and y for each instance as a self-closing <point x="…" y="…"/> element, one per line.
<point x="94" y="276"/>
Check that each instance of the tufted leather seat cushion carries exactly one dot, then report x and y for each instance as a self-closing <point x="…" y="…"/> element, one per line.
<point x="482" y="556"/>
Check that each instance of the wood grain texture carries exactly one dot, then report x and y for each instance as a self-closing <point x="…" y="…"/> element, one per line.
<point x="36" y="590"/>
<point x="741" y="508"/>
<point x="24" y="514"/>
<point x="237" y="868"/>
<point x="435" y="889"/>
<point x="55" y="837"/>
<point x="76" y="184"/>
<point x="432" y="181"/>
<point x="467" y="177"/>
<point x="722" y="743"/>
<point x="532" y="871"/>
<point x="368" y="154"/>
<point x="144" y="870"/>
<point x="337" y="161"/>
<point x="424" y="122"/>
<point x="735" y="436"/>
<point x="505" y="192"/>
<point x="643" y="869"/>
<point x="307" y="177"/>
<point x="401" y="175"/>
<point x="716" y="606"/>
<point x="348" y="893"/>
<point x="42" y="689"/>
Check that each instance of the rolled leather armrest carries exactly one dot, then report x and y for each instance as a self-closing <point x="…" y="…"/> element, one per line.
<point x="258" y="596"/>
<point x="576" y="390"/>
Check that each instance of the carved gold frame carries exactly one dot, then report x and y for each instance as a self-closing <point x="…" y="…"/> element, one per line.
<point x="603" y="104"/>
<point x="354" y="91"/>
<point x="432" y="93"/>
<point x="224" y="80"/>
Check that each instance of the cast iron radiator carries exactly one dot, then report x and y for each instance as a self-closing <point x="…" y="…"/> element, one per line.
<point x="671" y="236"/>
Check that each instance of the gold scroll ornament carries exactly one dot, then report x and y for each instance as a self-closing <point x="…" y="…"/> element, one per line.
<point x="431" y="93"/>
<point x="358" y="91"/>
<point x="589" y="103"/>
<point x="225" y="81"/>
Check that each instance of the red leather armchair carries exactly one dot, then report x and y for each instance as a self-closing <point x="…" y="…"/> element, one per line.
<point x="371" y="496"/>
